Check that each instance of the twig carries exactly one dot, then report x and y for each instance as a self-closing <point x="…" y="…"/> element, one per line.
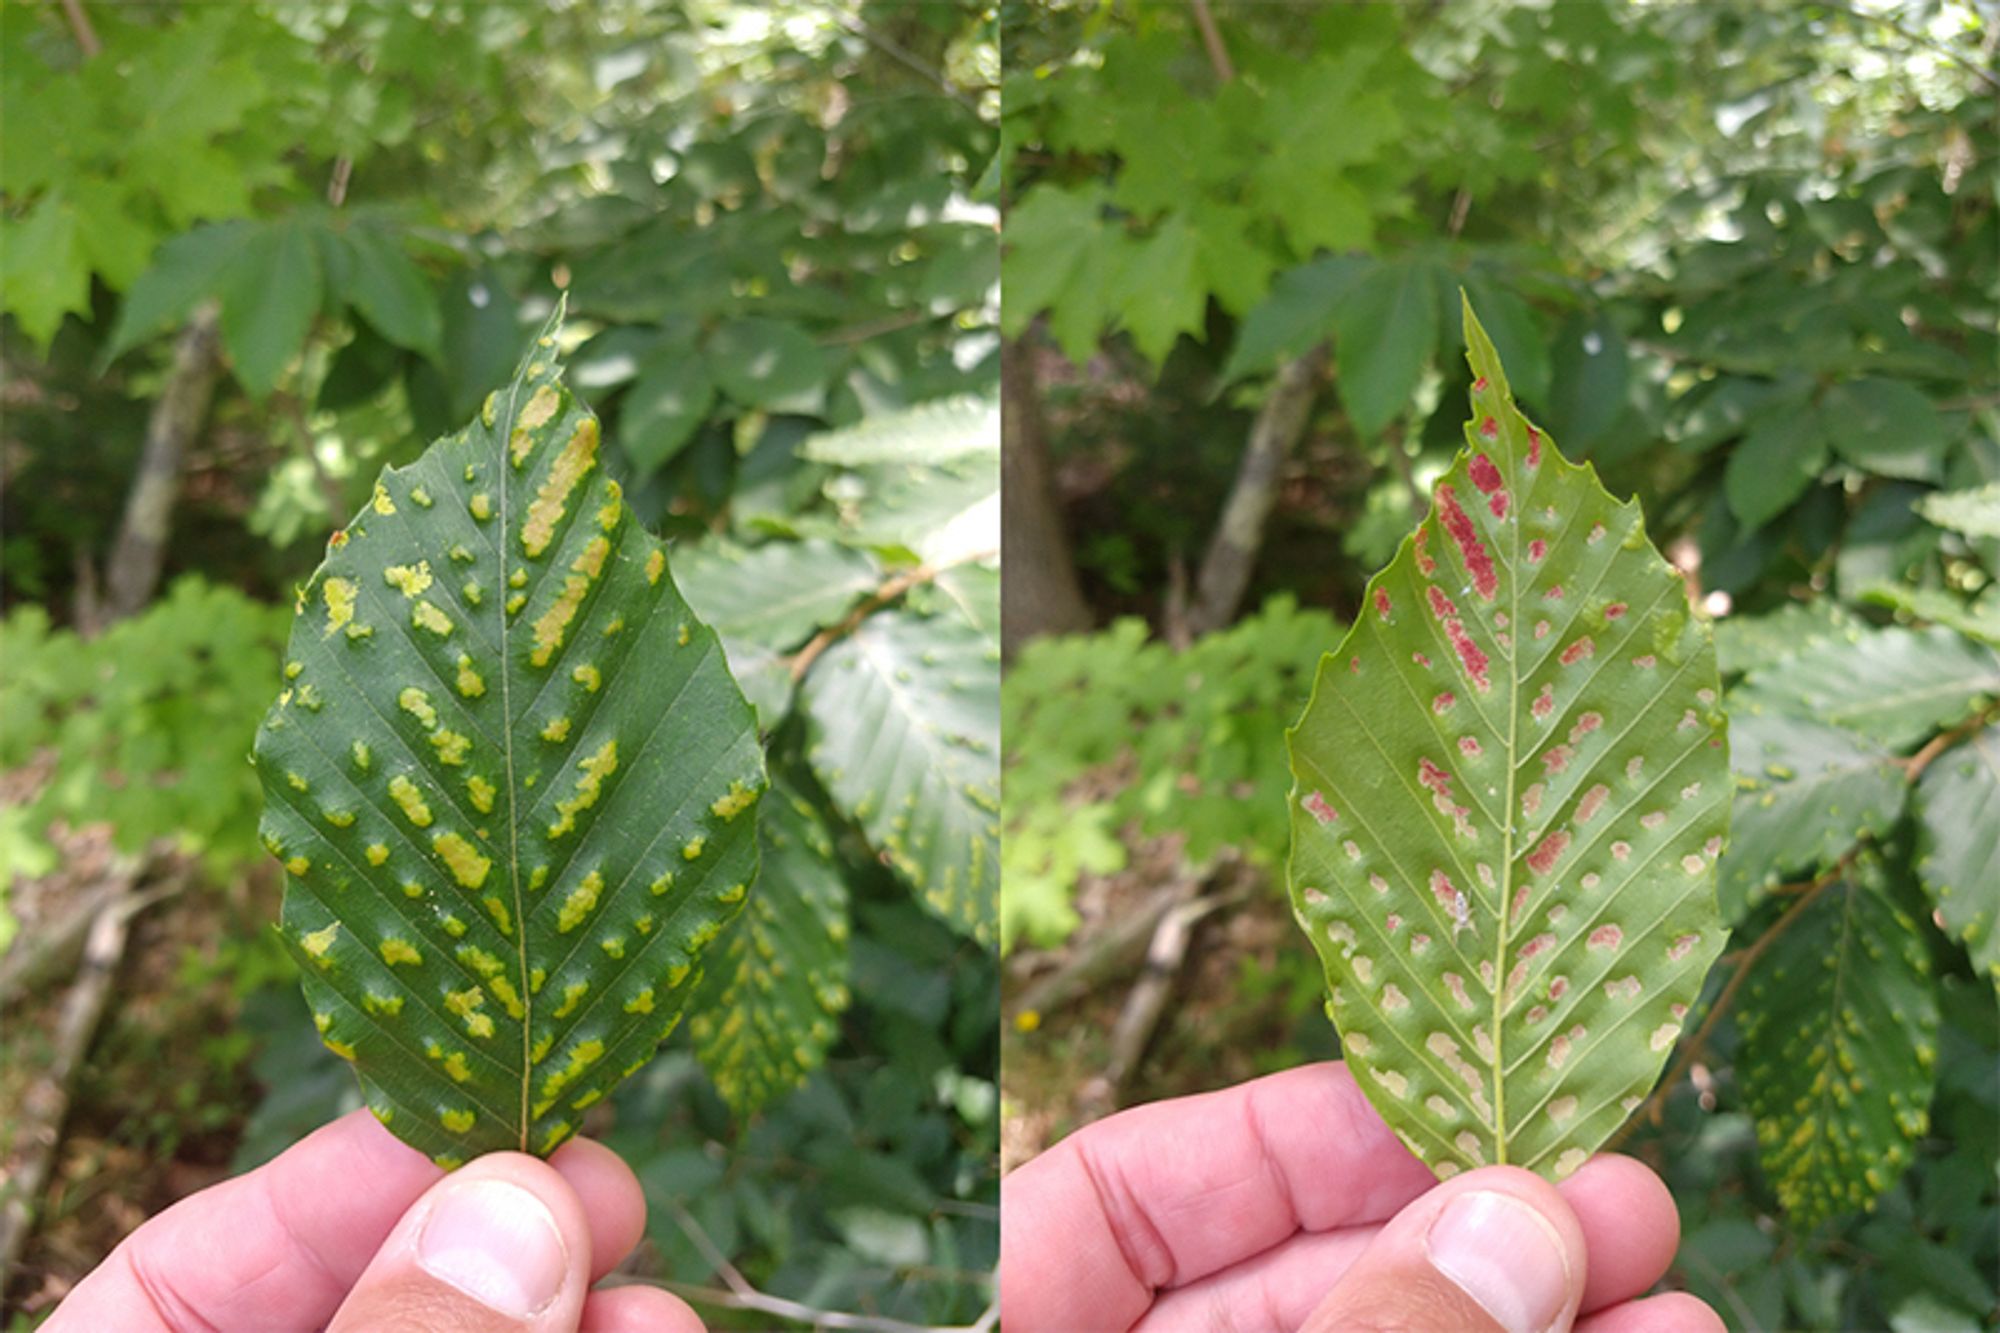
<point x="79" y="25"/>
<point x="1461" y="204"/>
<point x="1211" y="37"/>
<point x="1104" y="958"/>
<point x="1691" y="1049"/>
<point x="1914" y="766"/>
<point x="54" y="949"/>
<point x="336" y="187"/>
<point x="856" y="333"/>
<point x="741" y="1295"/>
<point x="907" y="59"/>
<point x="889" y="591"/>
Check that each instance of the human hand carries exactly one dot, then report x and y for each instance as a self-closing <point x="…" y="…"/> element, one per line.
<point x="351" y="1230"/>
<point x="1286" y="1203"/>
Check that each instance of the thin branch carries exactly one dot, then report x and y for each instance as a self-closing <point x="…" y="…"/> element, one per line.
<point x="889" y="591"/>
<point x="1914" y="766"/>
<point x="1461" y="204"/>
<point x="336" y="188"/>
<point x="79" y="25"/>
<point x="1692" y="1049"/>
<point x="908" y="59"/>
<point x="1211" y="37"/>
<point x="741" y="1295"/>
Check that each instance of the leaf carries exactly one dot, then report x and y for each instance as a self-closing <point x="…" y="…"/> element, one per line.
<point x="391" y="292"/>
<point x="1296" y="315"/>
<point x="1519" y="343"/>
<point x="1587" y="376"/>
<point x="1387" y="326"/>
<point x="1958" y="844"/>
<point x="902" y="728"/>
<point x="1510" y="792"/>
<point x="662" y="410"/>
<point x="1779" y="458"/>
<point x="1885" y="426"/>
<point x="1805" y="792"/>
<point x="1744" y="643"/>
<point x="1894" y="686"/>
<point x="186" y="269"/>
<point x="767" y="363"/>
<point x="1978" y="619"/>
<point x="45" y="274"/>
<point x="510" y="779"/>
<point x="1839" y="1049"/>
<point x="270" y="293"/>
<point x="1975" y="512"/>
<point x="1160" y="295"/>
<point x="779" y="985"/>
<point x="930" y="433"/>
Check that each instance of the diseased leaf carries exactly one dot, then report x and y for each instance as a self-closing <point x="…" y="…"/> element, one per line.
<point x="902" y="727"/>
<point x="1894" y="686"/>
<point x="1805" y="793"/>
<point x="1976" y="512"/>
<point x="1744" y="643"/>
<point x="511" y="781"/>
<point x="1511" y="789"/>
<point x="1839" y="1048"/>
<point x="776" y="991"/>
<point x="1958" y="844"/>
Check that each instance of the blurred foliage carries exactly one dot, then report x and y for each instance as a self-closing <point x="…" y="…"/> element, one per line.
<point x="777" y="233"/>
<point x="1747" y="259"/>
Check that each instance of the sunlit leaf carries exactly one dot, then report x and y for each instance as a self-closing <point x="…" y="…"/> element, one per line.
<point x="510" y="779"/>
<point x="1894" y="686"/>
<point x="1511" y="790"/>
<point x="1958" y="843"/>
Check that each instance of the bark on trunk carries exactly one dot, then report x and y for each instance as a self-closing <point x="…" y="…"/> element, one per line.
<point x="140" y="552"/>
<point x="1232" y="552"/>
<point x="1039" y="593"/>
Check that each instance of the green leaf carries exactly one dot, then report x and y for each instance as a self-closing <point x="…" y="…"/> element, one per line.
<point x="1048" y="235"/>
<point x="1387" y="326"/>
<point x="1780" y="456"/>
<point x="665" y="406"/>
<point x="1160" y="294"/>
<point x="902" y="727"/>
<point x="1511" y="788"/>
<point x="270" y="293"/>
<point x="768" y="363"/>
<point x="1976" y="512"/>
<point x="1978" y="619"/>
<point x="185" y="270"/>
<point x="1744" y="643"/>
<point x="44" y="269"/>
<point x="1519" y="343"/>
<point x="932" y="432"/>
<point x="1587" y="375"/>
<point x="391" y="292"/>
<point x="779" y="984"/>
<point x="1894" y="686"/>
<point x="509" y="778"/>
<point x="1296" y="315"/>
<point x="1958" y="844"/>
<point x="1839" y="1048"/>
<point x="1804" y="793"/>
<point x="1885" y="426"/>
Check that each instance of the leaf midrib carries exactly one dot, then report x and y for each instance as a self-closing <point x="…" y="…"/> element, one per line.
<point x="498" y="439"/>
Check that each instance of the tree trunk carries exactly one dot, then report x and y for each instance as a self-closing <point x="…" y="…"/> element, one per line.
<point x="140" y="552"/>
<point x="1038" y="588"/>
<point x="1232" y="552"/>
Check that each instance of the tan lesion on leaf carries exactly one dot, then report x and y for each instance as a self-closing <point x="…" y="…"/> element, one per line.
<point x="577" y="458"/>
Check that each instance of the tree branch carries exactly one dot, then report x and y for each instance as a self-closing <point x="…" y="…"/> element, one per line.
<point x="79" y="25"/>
<point x="1211" y="37"/>
<point x="890" y="590"/>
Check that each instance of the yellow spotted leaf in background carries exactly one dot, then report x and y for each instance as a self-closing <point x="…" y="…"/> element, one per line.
<point x="1511" y="788"/>
<point x="511" y="781"/>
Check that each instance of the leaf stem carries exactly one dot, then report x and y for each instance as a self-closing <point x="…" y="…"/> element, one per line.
<point x="890" y="590"/>
<point x="1914" y="766"/>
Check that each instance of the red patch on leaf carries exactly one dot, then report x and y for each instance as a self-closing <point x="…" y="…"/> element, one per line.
<point x="1320" y="810"/>
<point x="1479" y="385"/>
<point x="1444" y="701"/>
<point x="1557" y="759"/>
<point x="1606" y="937"/>
<point x="1489" y="429"/>
<point x="1425" y="565"/>
<point x="1576" y="652"/>
<point x="1534" y="447"/>
<point x="1433" y="777"/>
<point x="1498" y="504"/>
<point x="1543" y="858"/>
<point x="1586" y="724"/>
<point x="1593" y="801"/>
<point x="1441" y="605"/>
<point x="1469" y="653"/>
<point x="1614" y="611"/>
<point x="1471" y="550"/>
<point x="1545" y="702"/>
<point x="1382" y="605"/>
<point x="1469" y="746"/>
<point x="1537" y="549"/>
<point x="1484" y="475"/>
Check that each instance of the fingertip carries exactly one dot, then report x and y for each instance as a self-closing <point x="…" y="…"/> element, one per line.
<point x="638" y="1309"/>
<point x="1630" y="1224"/>
<point x="611" y="1196"/>
<point x="1671" y="1312"/>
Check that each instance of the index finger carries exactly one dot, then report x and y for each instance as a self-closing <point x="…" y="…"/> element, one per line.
<point x="1161" y="1195"/>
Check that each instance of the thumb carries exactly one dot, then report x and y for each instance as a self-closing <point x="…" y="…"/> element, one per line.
<point x="499" y="1246"/>
<point x="1492" y="1251"/>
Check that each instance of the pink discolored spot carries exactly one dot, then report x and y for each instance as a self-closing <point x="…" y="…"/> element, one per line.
<point x="1713" y="846"/>
<point x="1382" y="605"/>
<point x="1555" y="592"/>
<point x="1585" y="724"/>
<point x="1614" y="611"/>
<point x="1606" y="937"/>
<point x="1558" y="1051"/>
<point x="1540" y="944"/>
<point x="1544" y="857"/>
<point x="1353" y="666"/>
<point x="1681" y="948"/>
<point x="1498" y="504"/>
<point x="1449" y="898"/>
<point x="1456" y="985"/>
<point x="1433" y="777"/>
<point x="1421" y="659"/>
<point x="1425" y="565"/>
<point x="1471" y="550"/>
<point x="1317" y="807"/>
<point x="1531" y="800"/>
<point x="1537" y="1014"/>
<point x="1484" y="475"/>
<point x="1558" y="987"/>
<point x="1469" y="746"/>
<point x="1534" y="447"/>
<point x="1624" y="988"/>
<point x="1394" y="923"/>
<point x="1653" y="820"/>
<point x="1441" y="605"/>
<point x="1541" y="629"/>
<point x="1590" y="880"/>
<point x="1469" y="654"/>
<point x="1500" y="619"/>
<point x="1645" y="661"/>
<point x="1419" y="941"/>
<point x="1536" y="550"/>
<point x="1576" y="652"/>
<point x="1520" y="901"/>
<point x="1545" y="701"/>
<point x="1489" y="429"/>
<point x="1591" y="802"/>
<point x="1596" y="534"/>
<point x="1377" y="883"/>
<point x="1442" y="704"/>
<point x="1621" y="850"/>
<point x="1479" y="385"/>
<point x="1678" y="1010"/>
<point x="1557" y="759"/>
<point x="1485" y="975"/>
